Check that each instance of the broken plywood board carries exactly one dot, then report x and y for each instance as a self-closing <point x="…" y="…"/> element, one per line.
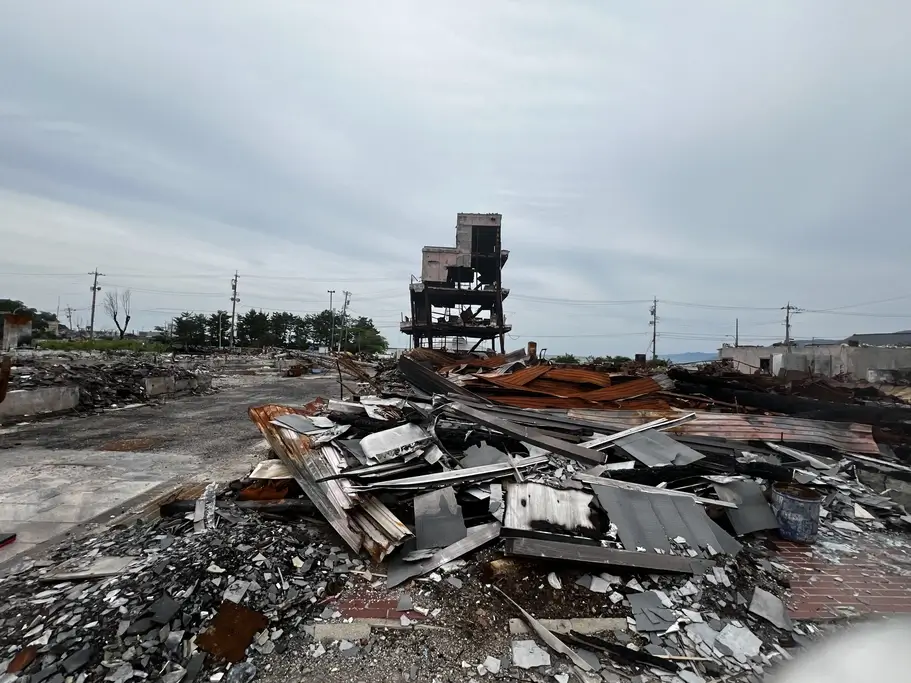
<point x="531" y="507"/>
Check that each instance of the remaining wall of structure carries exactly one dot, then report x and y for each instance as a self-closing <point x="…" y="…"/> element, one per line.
<point x="17" y="329"/>
<point x="828" y="360"/>
<point x="26" y="402"/>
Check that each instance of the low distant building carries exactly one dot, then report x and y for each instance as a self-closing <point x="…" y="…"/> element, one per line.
<point x="848" y="358"/>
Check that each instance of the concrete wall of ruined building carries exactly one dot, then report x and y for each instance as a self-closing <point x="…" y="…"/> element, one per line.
<point x="827" y="360"/>
<point x="15" y="332"/>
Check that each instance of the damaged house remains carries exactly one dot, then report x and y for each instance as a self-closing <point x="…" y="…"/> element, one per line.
<point x="458" y="302"/>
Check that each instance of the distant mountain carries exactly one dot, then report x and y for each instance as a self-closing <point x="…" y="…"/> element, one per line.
<point x="691" y="357"/>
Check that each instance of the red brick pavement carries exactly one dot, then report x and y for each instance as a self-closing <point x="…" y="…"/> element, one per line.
<point x="870" y="580"/>
<point x="373" y="608"/>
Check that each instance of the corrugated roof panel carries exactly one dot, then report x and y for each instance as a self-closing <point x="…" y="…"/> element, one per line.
<point x="580" y="376"/>
<point x="845" y="436"/>
<point x="651" y="520"/>
<point x="615" y="392"/>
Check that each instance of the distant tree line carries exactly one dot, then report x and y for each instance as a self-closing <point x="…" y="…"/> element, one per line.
<point x="260" y="329"/>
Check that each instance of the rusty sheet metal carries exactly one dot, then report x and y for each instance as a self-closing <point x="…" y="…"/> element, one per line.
<point x="519" y="378"/>
<point x="555" y="402"/>
<point x="580" y="376"/>
<point x="844" y="436"/>
<point x="231" y="632"/>
<point x="316" y="470"/>
<point x="616" y="392"/>
<point x="555" y="387"/>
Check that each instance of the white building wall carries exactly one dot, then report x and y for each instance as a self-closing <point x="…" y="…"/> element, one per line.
<point x="827" y="360"/>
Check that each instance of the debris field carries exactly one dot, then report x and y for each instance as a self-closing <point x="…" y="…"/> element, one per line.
<point x="558" y="523"/>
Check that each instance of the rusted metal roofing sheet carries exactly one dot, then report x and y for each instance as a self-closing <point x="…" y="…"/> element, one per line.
<point x="549" y="402"/>
<point x="616" y="392"/>
<point x="579" y="376"/>
<point x="844" y="436"/>
<point x="519" y="378"/>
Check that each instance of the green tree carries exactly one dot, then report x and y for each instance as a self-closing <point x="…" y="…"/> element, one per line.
<point x="300" y="333"/>
<point x="566" y="359"/>
<point x="190" y="329"/>
<point x="253" y="329"/>
<point x="363" y="336"/>
<point x="321" y="327"/>
<point x="219" y="323"/>
<point x="281" y="328"/>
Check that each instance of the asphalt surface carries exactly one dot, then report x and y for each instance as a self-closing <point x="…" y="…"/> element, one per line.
<point x="211" y="428"/>
<point x="65" y="474"/>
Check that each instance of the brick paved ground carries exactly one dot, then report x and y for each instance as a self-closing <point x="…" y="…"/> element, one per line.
<point x="872" y="575"/>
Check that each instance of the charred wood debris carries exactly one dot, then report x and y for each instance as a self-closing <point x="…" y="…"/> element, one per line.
<point x="616" y="526"/>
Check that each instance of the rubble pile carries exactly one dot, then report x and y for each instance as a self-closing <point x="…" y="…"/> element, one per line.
<point x="157" y="601"/>
<point x="101" y="385"/>
<point x="584" y="544"/>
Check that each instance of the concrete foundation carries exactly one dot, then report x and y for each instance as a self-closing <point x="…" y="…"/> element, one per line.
<point x="160" y="386"/>
<point x="25" y="402"/>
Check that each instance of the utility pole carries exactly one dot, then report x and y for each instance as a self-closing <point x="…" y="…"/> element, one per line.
<point x="95" y="289"/>
<point x="654" y="323"/>
<point x="343" y="336"/>
<point x="787" y="323"/>
<point x="331" y="321"/>
<point x="219" y="330"/>
<point x="736" y="332"/>
<point x="69" y="317"/>
<point x="234" y="301"/>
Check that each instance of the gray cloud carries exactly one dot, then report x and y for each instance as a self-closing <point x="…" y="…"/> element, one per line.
<point x="726" y="156"/>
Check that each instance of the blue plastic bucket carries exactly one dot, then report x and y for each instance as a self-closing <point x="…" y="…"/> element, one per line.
<point x="797" y="511"/>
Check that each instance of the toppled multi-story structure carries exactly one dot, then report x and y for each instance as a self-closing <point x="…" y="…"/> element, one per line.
<point x="460" y="295"/>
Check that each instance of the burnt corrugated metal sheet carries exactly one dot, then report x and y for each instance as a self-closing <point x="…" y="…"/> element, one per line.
<point x="844" y="436"/>
<point x="652" y="520"/>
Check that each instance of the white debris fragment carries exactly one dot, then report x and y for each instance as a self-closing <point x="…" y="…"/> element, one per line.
<point x="562" y="678"/>
<point x="861" y="513"/>
<point x="215" y="569"/>
<point x="635" y="585"/>
<point x="554" y="581"/>
<point x="526" y="654"/>
<point x="492" y="664"/>
<point x="616" y="597"/>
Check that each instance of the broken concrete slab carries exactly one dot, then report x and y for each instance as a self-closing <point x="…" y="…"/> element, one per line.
<point x="527" y="655"/>
<point x="586" y="625"/>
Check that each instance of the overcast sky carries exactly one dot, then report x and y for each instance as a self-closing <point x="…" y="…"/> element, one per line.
<point x="732" y="155"/>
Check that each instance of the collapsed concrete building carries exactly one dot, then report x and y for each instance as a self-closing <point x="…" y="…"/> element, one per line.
<point x="460" y="294"/>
